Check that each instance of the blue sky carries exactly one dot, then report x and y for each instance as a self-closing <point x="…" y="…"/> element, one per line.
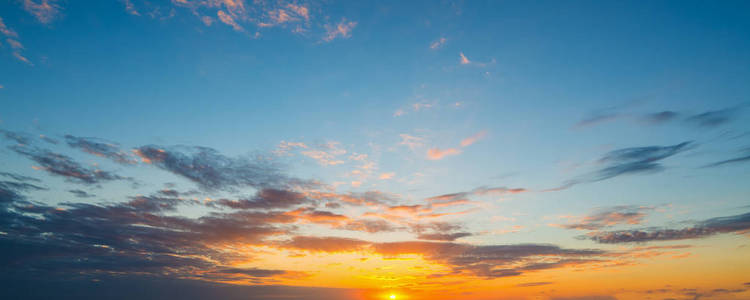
<point x="540" y="113"/>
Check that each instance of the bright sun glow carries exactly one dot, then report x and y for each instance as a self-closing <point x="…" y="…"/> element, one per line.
<point x="392" y="296"/>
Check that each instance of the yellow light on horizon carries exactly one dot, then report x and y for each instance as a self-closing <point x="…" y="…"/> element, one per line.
<point x="392" y="296"/>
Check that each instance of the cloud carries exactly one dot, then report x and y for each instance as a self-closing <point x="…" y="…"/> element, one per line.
<point x="464" y="60"/>
<point x="81" y="194"/>
<point x="371" y="226"/>
<point x="437" y="153"/>
<point x="267" y="198"/>
<point x="387" y="175"/>
<point x="473" y="139"/>
<point x="595" y="297"/>
<point x="133" y="237"/>
<point x="212" y="170"/>
<point x="11" y="37"/>
<point x="437" y="44"/>
<point x="341" y="30"/>
<point x="100" y="148"/>
<point x="439" y="231"/>
<point x="324" y="244"/>
<point x="730" y="224"/>
<point x="479" y="191"/>
<point x="713" y="118"/>
<point x="45" y="11"/>
<point x="598" y="118"/>
<point x="410" y="141"/>
<point x="327" y="154"/>
<point x="62" y="165"/>
<point x="740" y="159"/>
<point x="229" y="20"/>
<point x="492" y="261"/>
<point x="659" y="117"/>
<point x="636" y="160"/>
<point x="611" y="216"/>
<point x="19" y="138"/>
<point x="130" y="8"/>
<point x="529" y="284"/>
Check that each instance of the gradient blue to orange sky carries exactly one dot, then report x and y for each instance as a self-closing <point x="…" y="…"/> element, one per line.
<point x="252" y="149"/>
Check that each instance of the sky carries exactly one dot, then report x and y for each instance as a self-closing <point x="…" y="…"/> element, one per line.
<point x="232" y="149"/>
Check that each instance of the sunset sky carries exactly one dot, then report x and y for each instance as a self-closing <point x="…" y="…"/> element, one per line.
<point x="251" y="149"/>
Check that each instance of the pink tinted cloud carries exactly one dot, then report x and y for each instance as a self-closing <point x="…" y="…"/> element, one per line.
<point x="464" y="60"/>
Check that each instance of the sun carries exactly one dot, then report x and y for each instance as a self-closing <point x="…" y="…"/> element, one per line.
<point x="392" y="296"/>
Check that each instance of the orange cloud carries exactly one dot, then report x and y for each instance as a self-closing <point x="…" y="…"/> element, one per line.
<point x="45" y="11"/>
<point x="473" y="139"/>
<point x="388" y="175"/>
<point x="343" y="29"/>
<point x="437" y="153"/>
<point x="229" y="20"/>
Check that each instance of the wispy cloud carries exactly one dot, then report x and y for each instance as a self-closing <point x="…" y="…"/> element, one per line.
<point x="473" y="139"/>
<point x="45" y="11"/>
<point x="636" y="160"/>
<point x="439" y="43"/>
<point x="713" y="118"/>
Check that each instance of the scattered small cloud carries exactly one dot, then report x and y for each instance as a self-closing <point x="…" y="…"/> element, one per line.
<point x="385" y="176"/>
<point x="439" y="43"/>
<point x="341" y="30"/>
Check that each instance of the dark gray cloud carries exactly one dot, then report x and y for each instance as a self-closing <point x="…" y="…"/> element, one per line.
<point x="659" y="117"/>
<point x="128" y="237"/>
<point x="493" y="261"/>
<point x="81" y="194"/>
<point x="18" y="177"/>
<point x="212" y="170"/>
<point x="730" y="224"/>
<point x="436" y="236"/>
<point x="268" y="198"/>
<point x="740" y="159"/>
<point x="598" y="118"/>
<point x="65" y="166"/>
<point x="594" y="297"/>
<point x="17" y="137"/>
<point x="368" y="225"/>
<point x="528" y="284"/>
<point x="124" y="287"/>
<point x="100" y="148"/>
<point x="635" y="160"/>
<point x="713" y="118"/>
<point x="487" y="261"/>
<point x="439" y="231"/>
